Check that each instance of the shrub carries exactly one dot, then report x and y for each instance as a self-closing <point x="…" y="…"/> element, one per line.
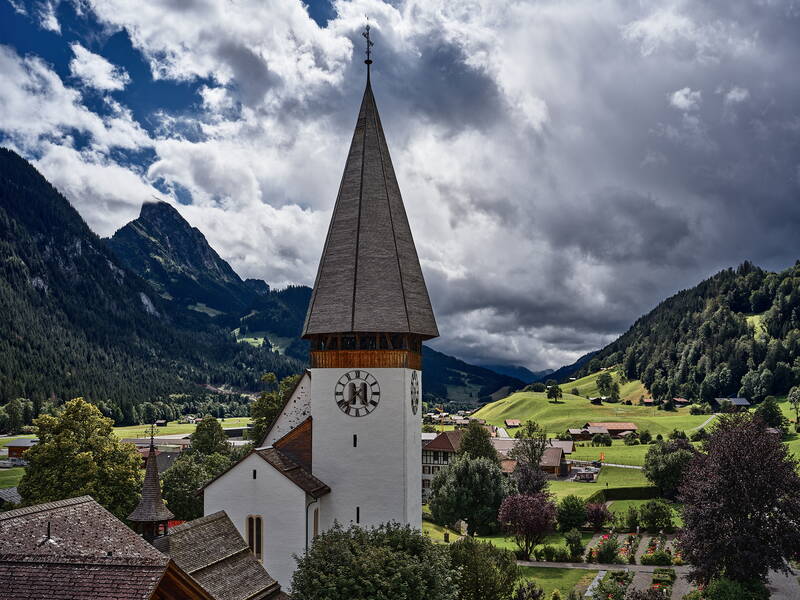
<point x="645" y="436"/>
<point x="556" y="595"/>
<point x="574" y="543"/>
<point x="659" y="557"/>
<point x="571" y="513"/>
<point x="601" y="439"/>
<point x="725" y="589"/>
<point x="632" y="518"/>
<point x="548" y="552"/>
<point x="631" y="440"/>
<point x="529" y="590"/>
<point x="699" y="435"/>
<point x="598" y="515"/>
<point x="656" y="515"/>
<point x="696" y="409"/>
<point x="607" y="551"/>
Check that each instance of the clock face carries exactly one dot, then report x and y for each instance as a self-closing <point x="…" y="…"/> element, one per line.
<point x="414" y="392"/>
<point x="357" y="393"/>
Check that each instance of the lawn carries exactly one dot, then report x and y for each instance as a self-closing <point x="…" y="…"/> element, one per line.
<point x="554" y="539"/>
<point x="587" y="387"/>
<point x="563" y="579"/>
<point x="615" y="477"/>
<point x="10" y="477"/>
<point x="622" y="506"/>
<point x="574" y="411"/>
<point x="436" y="532"/>
<point x="173" y="427"/>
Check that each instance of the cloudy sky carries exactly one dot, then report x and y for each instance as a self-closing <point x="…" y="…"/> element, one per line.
<point x="565" y="165"/>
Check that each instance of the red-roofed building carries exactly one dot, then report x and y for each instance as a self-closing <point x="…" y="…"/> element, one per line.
<point x="512" y="423"/>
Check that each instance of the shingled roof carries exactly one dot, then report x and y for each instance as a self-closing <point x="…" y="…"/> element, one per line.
<point x="301" y="477"/>
<point x="151" y="507"/>
<point x="213" y="553"/>
<point x="75" y="549"/>
<point x="369" y="277"/>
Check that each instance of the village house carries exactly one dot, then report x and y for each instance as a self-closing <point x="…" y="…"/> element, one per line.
<point x="18" y="446"/>
<point x="735" y="403"/>
<point x="614" y="429"/>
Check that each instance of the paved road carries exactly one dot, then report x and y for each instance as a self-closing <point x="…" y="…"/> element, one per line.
<point x="594" y="566"/>
<point x="706" y="422"/>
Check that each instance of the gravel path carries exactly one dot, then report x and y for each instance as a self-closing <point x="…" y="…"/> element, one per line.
<point x="706" y="422"/>
<point x="594" y="566"/>
<point x="783" y="587"/>
<point x="642" y="547"/>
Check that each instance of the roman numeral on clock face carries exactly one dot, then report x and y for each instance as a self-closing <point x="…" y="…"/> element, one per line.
<point x="357" y="393"/>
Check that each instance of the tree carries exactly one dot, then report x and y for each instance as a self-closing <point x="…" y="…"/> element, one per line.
<point x="186" y="475"/>
<point x="598" y="515"/>
<point x="645" y="437"/>
<point x="486" y="571"/>
<point x="794" y="400"/>
<point x="209" y="437"/>
<point x="665" y="464"/>
<point x="529" y="479"/>
<point x="477" y="442"/>
<point x="468" y="489"/>
<point x="656" y="515"/>
<point x="266" y="408"/>
<point x="741" y="507"/>
<point x="528" y="519"/>
<point x="770" y="413"/>
<point x="604" y="383"/>
<point x="78" y="454"/>
<point x="15" y="416"/>
<point x="554" y="393"/>
<point x="574" y="541"/>
<point x="571" y="513"/>
<point x="389" y="561"/>
<point x="428" y="428"/>
<point x="537" y="387"/>
<point x="602" y="439"/>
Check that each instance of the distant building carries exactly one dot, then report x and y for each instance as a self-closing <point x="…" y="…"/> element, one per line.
<point x="681" y="401"/>
<point x="18" y="446"/>
<point x="161" y="423"/>
<point x="436" y="454"/>
<point x="512" y="423"/>
<point x="613" y="428"/>
<point x="648" y="401"/>
<point x="736" y="403"/>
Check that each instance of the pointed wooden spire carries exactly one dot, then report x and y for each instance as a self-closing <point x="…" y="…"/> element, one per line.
<point x="151" y="512"/>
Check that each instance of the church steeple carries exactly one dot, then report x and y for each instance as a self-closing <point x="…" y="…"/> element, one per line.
<point x="369" y="284"/>
<point x="151" y="516"/>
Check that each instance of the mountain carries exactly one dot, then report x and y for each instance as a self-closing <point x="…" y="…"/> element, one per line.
<point x="179" y="263"/>
<point x="448" y="380"/>
<point x="564" y="373"/>
<point x="77" y="322"/>
<point x="519" y="372"/>
<point x="734" y="334"/>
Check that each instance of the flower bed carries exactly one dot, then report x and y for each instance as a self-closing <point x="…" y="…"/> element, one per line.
<point x="613" y="586"/>
<point x="657" y="552"/>
<point x="630" y="544"/>
<point x="607" y="550"/>
<point x="663" y="579"/>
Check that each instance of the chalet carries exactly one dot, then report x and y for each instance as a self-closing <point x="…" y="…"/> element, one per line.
<point x="613" y="428"/>
<point x="586" y="433"/>
<point x="161" y="423"/>
<point x="648" y="401"/>
<point x="20" y="445"/>
<point x="681" y="401"/>
<point x="553" y="461"/>
<point x="512" y="423"/>
<point x="736" y="403"/>
<point x="436" y="454"/>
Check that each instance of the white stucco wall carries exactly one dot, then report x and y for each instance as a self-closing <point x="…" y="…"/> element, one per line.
<point x="297" y="410"/>
<point x="382" y="475"/>
<point x="278" y="501"/>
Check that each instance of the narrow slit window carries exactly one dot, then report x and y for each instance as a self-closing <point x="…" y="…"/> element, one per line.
<point x="254" y="473"/>
<point x="355" y="440"/>
<point x="358" y="514"/>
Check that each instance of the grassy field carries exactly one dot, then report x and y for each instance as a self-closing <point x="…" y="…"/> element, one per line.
<point x="610" y="477"/>
<point x="587" y="387"/>
<point x="436" y="532"/>
<point x="173" y="427"/>
<point x="10" y="477"/>
<point x="574" y="411"/>
<point x="563" y="579"/>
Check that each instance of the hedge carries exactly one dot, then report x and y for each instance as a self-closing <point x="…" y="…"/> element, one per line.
<point x="640" y="492"/>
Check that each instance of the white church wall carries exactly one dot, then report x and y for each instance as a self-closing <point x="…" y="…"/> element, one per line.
<point x="278" y="501"/>
<point x="297" y="410"/>
<point x="380" y="477"/>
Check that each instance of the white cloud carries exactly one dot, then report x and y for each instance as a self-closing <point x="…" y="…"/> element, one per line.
<point x="47" y="16"/>
<point x="736" y="95"/>
<point x="686" y="99"/>
<point x="95" y="71"/>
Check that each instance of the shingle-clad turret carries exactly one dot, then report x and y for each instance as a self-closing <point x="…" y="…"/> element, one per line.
<point x="151" y="515"/>
<point x="369" y="277"/>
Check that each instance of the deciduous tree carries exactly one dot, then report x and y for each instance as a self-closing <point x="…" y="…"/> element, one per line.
<point x="78" y="454"/>
<point x="486" y="571"/>
<point x="187" y="475"/>
<point x="390" y="561"/>
<point x="477" y="442"/>
<point x="468" y="489"/>
<point x="209" y="437"/>
<point x="598" y="515"/>
<point x="571" y="513"/>
<point x="528" y="519"/>
<point x="665" y="464"/>
<point x="741" y="506"/>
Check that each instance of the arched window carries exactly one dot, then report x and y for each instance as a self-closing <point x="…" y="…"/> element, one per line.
<point x="255" y="534"/>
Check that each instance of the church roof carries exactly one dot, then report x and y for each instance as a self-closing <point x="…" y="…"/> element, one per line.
<point x="301" y="477"/>
<point x="213" y="553"/>
<point x="75" y="549"/>
<point x="369" y="277"/>
<point x="151" y="507"/>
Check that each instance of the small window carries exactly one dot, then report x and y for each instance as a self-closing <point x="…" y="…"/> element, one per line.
<point x="316" y="522"/>
<point x="254" y="473"/>
<point x="358" y="514"/>
<point x="355" y="440"/>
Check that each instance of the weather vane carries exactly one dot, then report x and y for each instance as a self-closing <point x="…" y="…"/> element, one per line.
<point x="370" y="44"/>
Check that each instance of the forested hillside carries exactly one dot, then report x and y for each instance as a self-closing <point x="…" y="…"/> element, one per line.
<point x="76" y="322"/>
<point x="737" y="333"/>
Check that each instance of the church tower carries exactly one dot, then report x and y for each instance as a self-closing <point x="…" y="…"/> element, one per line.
<point x="150" y="517"/>
<point x="346" y="445"/>
<point x="368" y="316"/>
